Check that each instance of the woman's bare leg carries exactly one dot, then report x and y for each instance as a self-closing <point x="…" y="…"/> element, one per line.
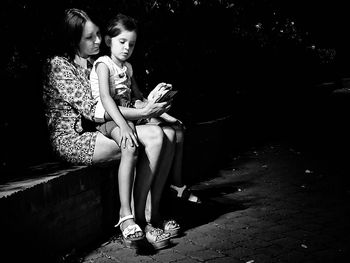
<point x="176" y="168"/>
<point x="151" y="137"/>
<point x="167" y="156"/>
<point x="176" y="172"/>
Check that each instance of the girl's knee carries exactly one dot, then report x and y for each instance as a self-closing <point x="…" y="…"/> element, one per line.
<point x="129" y="151"/>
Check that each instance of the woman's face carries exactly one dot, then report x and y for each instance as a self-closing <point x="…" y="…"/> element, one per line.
<point x="90" y="40"/>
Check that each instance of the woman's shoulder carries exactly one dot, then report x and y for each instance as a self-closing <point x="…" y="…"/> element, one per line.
<point x="58" y="61"/>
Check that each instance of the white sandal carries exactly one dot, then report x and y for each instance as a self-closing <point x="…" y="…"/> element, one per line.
<point x="129" y="231"/>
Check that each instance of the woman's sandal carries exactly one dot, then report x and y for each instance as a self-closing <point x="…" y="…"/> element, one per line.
<point x="157" y="237"/>
<point x="172" y="227"/>
<point x="185" y="194"/>
<point x="129" y="232"/>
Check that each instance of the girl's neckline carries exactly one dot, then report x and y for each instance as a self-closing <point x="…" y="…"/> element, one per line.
<point x="118" y="64"/>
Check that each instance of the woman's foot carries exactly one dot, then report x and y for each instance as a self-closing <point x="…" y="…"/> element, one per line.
<point x="185" y="194"/>
<point x="157" y="237"/>
<point x="168" y="225"/>
<point x="172" y="227"/>
<point x="131" y="232"/>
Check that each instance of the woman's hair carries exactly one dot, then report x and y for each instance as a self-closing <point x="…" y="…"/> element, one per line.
<point x="120" y="22"/>
<point x="72" y="28"/>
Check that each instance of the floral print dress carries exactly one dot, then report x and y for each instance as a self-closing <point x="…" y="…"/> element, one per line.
<point x="68" y="105"/>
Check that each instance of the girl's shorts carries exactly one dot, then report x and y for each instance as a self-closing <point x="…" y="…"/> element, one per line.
<point x="106" y="128"/>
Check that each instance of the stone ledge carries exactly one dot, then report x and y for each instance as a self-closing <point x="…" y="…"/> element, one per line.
<point x="55" y="209"/>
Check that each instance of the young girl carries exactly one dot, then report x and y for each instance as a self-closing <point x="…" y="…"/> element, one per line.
<point x="113" y="85"/>
<point x="103" y="74"/>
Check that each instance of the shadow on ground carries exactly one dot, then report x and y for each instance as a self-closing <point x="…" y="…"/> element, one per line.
<point x="215" y="203"/>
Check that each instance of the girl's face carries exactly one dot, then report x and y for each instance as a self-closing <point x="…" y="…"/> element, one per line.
<point x="123" y="45"/>
<point x="90" y="40"/>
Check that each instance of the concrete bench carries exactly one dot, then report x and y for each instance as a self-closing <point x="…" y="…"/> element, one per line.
<point x="54" y="208"/>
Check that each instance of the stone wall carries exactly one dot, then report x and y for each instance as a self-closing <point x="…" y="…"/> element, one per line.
<point x="65" y="208"/>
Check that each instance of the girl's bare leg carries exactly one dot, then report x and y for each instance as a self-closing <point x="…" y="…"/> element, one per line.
<point x="125" y="179"/>
<point x="107" y="150"/>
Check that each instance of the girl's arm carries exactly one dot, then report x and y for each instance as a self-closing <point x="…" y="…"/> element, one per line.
<point x="126" y="132"/>
<point x="138" y="94"/>
<point x="151" y="109"/>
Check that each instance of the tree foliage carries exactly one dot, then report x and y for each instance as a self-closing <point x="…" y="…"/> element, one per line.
<point x="212" y="51"/>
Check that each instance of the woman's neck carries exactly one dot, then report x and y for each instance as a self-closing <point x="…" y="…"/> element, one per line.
<point x="81" y="61"/>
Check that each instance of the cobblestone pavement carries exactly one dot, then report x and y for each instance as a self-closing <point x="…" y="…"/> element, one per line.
<point x="270" y="204"/>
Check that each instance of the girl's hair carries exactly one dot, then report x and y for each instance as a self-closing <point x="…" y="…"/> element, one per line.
<point x="120" y="22"/>
<point x="71" y="31"/>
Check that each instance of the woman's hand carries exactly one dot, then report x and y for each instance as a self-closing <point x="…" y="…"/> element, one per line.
<point x="169" y="118"/>
<point x="172" y="120"/>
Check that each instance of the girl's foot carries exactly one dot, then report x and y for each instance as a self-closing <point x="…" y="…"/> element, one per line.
<point x="185" y="194"/>
<point x="157" y="237"/>
<point x="131" y="232"/>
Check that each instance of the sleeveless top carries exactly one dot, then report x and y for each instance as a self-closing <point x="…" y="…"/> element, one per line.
<point x="119" y="84"/>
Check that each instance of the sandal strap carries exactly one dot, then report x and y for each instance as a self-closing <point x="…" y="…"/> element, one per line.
<point x="179" y="190"/>
<point x="122" y="219"/>
<point x="185" y="193"/>
<point x="154" y="234"/>
<point x="193" y="198"/>
<point x="170" y="224"/>
<point x="131" y="230"/>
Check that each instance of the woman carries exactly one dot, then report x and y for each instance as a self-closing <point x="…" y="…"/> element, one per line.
<point x="71" y="114"/>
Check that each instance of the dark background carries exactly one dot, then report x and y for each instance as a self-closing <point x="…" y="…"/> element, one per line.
<point x="271" y="67"/>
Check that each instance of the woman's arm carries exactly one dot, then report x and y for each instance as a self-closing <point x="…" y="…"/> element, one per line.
<point x="64" y="78"/>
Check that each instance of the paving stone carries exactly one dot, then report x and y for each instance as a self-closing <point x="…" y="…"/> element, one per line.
<point x="268" y="235"/>
<point x="186" y="247"/>
<point x="238" y="252"/>
<point x="206" y="255"/>
<point x="187" y="260"/>
<point x="170" y="256"/>
<point x="224" y="260"/>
